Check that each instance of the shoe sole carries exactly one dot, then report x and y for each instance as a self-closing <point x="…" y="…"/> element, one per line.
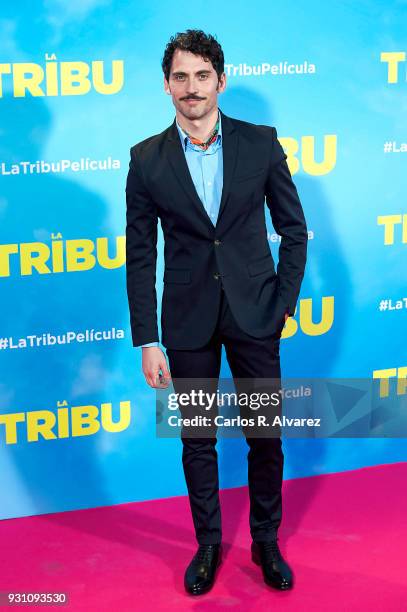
<point x="287" y="587"/>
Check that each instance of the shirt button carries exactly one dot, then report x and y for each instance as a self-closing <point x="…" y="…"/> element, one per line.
<point x="209" y="183"/>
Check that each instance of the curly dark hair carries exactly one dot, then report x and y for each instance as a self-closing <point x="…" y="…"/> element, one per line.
<point x="195" y="41"/>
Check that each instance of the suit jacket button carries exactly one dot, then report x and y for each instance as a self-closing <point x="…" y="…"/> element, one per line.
<point x="217" y="242"/>
<point x="216" y="275"/>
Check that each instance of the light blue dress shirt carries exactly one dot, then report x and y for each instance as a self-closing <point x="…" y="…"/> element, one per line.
<point x="206" y="168"/>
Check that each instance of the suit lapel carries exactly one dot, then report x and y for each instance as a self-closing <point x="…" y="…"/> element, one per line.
<point x="230" y="142"/>
<point x="176" y="157"/>
<point x="179" y="165"/>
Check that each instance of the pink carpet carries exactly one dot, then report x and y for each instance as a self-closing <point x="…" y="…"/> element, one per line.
<point x="345" y="536"/>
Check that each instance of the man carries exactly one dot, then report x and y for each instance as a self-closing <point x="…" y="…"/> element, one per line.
<point x="206" y="177"/>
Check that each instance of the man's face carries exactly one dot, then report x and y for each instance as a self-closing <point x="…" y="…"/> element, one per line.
<point x="193" y="84"/>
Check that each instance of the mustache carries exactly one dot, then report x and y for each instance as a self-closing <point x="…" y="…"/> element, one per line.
<point x="192" y="98"/>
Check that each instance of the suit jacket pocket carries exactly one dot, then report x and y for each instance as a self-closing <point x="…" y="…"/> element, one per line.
<point x="262" y="264"/>
<point x="177" y="275"/>
<point x="248" y="175"/>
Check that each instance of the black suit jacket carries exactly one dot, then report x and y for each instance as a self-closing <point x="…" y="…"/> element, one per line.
<point x="199" y="256"/>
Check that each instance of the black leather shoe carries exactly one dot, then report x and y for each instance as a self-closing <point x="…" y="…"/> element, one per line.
<point x="201" y="572"/>
<point x="276" y="572"/>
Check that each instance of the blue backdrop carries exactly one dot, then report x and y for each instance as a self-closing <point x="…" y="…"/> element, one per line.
<point x="81" y="82"/>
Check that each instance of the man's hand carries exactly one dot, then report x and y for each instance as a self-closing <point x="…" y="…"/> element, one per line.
<point x="155" y="367"/>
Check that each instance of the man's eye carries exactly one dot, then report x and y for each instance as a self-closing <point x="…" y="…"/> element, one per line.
<point x="204" y="76"/>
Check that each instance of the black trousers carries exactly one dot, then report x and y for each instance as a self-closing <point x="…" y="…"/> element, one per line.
<point x="248" y="357"/>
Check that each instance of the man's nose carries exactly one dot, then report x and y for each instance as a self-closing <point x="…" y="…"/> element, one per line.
<point x="192" y="86"/>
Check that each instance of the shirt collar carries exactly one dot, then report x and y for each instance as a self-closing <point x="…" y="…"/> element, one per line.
<point x="185" y="139"/>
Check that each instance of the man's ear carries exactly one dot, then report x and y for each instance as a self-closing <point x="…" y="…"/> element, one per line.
<point x="219" y="85"/>
<point x="167" y="87"/>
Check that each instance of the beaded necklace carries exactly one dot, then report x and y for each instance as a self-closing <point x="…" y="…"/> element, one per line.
<point x="207" y="143"/>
